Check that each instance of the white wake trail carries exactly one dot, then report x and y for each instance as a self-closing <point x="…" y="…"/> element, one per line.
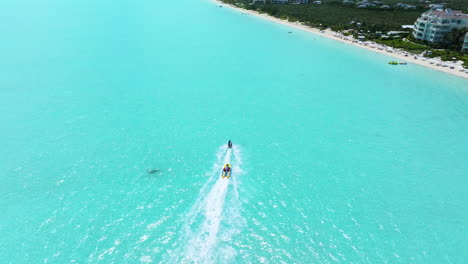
<point x="201" y="245"/>
<point x="200" y="237"/>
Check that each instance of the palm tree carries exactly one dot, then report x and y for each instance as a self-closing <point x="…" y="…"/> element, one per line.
<point x="454" y="39"/>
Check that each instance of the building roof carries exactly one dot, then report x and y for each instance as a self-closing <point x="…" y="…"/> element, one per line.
<point x="447" y="13"/>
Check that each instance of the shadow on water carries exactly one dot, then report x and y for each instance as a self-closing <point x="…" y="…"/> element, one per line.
<point x="153" y="174"/>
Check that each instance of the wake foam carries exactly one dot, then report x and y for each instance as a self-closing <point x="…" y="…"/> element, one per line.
<point x="214" y="210"/>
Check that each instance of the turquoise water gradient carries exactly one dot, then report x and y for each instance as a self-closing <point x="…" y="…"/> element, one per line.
<point x="338" y="158"/>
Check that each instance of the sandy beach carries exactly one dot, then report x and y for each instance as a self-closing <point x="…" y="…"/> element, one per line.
<point x="401" y="56"/>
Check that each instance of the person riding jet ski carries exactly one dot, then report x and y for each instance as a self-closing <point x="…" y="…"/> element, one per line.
<point x="226" y="171"/>
<point x="229" y="144"/>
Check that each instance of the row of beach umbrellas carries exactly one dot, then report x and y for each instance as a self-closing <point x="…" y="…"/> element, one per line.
<point x="438" y="62"/>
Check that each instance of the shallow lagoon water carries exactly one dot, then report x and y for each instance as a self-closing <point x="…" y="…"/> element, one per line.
<point x="338" y="157"/>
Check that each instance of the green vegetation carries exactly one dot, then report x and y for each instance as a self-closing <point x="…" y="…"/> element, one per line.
<point x="454" y="4"/>
<point x="454" y="40"/>
<point x="337" y="16"/>
<point x="450" y="49"/>
<point x="403" y="45"/>
<point x="448" y="55"/>
<point x="372" y="23"/>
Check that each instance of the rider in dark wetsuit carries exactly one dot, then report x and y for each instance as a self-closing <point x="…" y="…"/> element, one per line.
<point x="229" y="144"/>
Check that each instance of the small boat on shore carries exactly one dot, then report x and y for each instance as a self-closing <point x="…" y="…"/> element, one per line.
<point x="397" y="63"/>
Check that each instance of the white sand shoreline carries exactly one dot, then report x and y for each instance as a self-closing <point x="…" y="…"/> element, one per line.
<point x="389" y="51"/>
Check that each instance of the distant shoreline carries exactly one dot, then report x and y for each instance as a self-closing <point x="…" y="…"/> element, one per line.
<point x="379" y="48"/>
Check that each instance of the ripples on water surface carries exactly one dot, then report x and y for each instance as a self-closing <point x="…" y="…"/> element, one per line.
<point x="338" y="158"/>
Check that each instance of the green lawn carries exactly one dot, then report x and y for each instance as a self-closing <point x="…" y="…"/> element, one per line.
<point x="404" y="45"/>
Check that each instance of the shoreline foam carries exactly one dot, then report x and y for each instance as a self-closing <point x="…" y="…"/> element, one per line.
<point x="382" y="49"/>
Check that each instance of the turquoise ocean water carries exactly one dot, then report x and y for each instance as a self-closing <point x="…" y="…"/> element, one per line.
<point x="338" y="157"/>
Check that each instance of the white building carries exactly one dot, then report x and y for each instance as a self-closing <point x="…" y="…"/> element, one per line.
<point x="405" y="6"/>
<point x="407" y="26"/>
<point x="298" y="2"/>
<point x="433" y="24"/>
<point x="436" y="6"/>
<point x="279" y="1"/>
<point x="365" y="4"/>
<point x="465" y="44"/>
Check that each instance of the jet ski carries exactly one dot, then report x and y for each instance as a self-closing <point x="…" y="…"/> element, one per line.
<point x="229" y="144"/>
<point x="226" y="171"/>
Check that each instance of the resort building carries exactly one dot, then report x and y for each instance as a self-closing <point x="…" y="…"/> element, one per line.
<point x="465" y="44"/>
<point x="433" y="24"/>
<point x="407" y="26"/>
<point x="279" y="1"/>
<point x="405" y="6"/>
<point x="298" y="2"/>
<point x="365" y="4"/>
<point x="436" y="6"/>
